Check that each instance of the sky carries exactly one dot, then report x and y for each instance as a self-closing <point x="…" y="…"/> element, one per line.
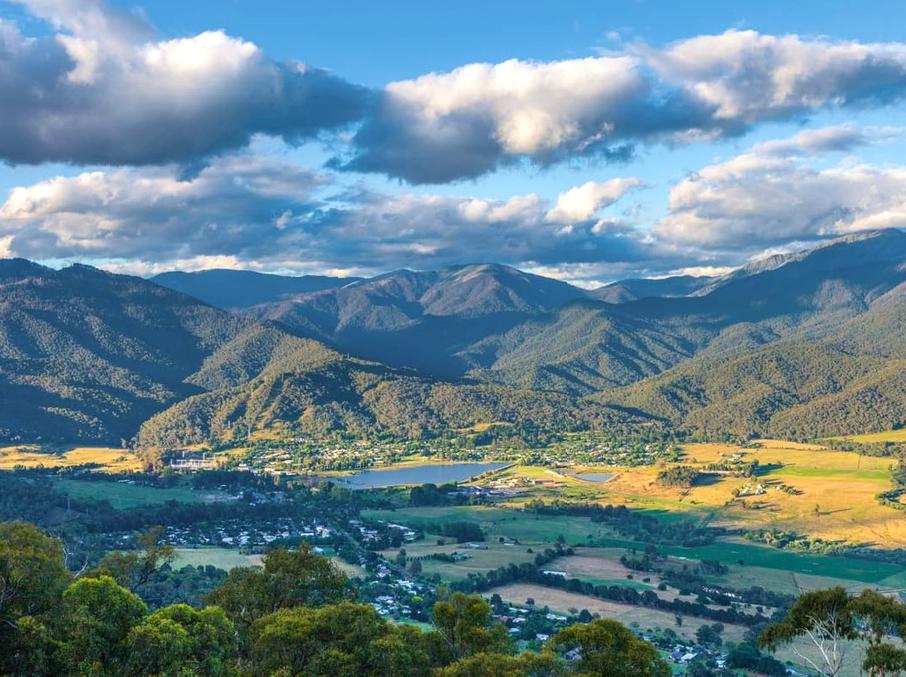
<point x="587" y="141"/>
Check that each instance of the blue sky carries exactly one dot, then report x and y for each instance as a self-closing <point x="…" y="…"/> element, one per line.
<point x="172" y="134"/>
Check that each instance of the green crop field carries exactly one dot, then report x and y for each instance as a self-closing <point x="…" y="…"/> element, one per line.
<point x="490" y="555"/>
<point x="126" y="495"/>
<point x="512" y="524"/>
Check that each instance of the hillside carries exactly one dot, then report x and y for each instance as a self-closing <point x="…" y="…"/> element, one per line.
<point x="89" y="355"/>
<point x="800" y="344"/>
<point x="361" y="399"/>
<point x="852" y="380"/>
<point x="421" y="319"/>
<point x="235" y="289"/>
<point x="496" y="324"/>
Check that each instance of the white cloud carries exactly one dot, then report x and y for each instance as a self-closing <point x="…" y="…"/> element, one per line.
<point x="231" y="207"/>
<point x="243" y="209"/>
<point x="746" y="76"/>
<point x="106" y="89"/>
<point x="584" y="202"/>
<point x="460" y="124"/>
<point x="774" y="193"/>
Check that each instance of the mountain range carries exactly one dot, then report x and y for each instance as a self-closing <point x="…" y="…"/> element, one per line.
<point x="804" y="344"/>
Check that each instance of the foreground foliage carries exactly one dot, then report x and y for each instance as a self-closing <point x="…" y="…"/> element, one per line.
<point x="293" y="616"/>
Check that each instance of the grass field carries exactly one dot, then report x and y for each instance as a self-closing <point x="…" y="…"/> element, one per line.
<point x="639" y="617"/>
<point x="126" y="495"/>
<point x="222" y="558"/>
<point x="538" y="531"/>
<point x="806" y="489"/>
<point x="871" y="438"/>
<point x="492" y="555"/>
<point x="511" y="524"/>
<point x="229" y="558"/>
<point x="108" y="459"/>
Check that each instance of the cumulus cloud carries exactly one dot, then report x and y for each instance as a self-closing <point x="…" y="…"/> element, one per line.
<point x="232" y="207"/>
<point x="745" y="76"/>
<point x="273" y="215"/>
<point x="446" y="126"/>
<point x="459" y="124"/>
<point x="106" y="89"/>
<point x="430" y="230"/>
<point x="775" y="193"/>
<point x="584" y="202"/>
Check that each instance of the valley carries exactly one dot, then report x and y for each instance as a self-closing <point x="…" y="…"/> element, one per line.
<point x="687" y="457"/>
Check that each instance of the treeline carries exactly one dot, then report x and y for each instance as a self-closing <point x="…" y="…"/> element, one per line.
<point x="789" y="540"/>
<point x="295" y="615"/>
<point x="632" y="524"/>
<point x="882" y="449"/>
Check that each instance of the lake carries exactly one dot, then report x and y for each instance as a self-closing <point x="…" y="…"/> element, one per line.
<point x="434" y="473"/>
<point x="594" y="476"/>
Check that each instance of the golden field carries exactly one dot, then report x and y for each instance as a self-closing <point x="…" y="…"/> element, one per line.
<point x="829" y="494"/>
<point x="108" y="459"/>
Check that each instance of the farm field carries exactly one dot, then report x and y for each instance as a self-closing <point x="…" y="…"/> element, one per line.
<point x="108" y="459"/>
<point x="872" y="438"/>
<point x="222" y="558"/>
<point x="489" y="556"/>
<point x="645" y="619"/>
<point x="540" y="531"/>
<point x="602" y="566"/>
<point x="121" y="494"/>
<point x="639" y="617"/>
<point x="799" y="487"/>
<point x="512" y="524"/>
<point x="230" y="558"/>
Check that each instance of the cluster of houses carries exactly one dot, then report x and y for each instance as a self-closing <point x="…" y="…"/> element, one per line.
<point x="373" y="534"/>
<point x="247" y="536"/>
<point x="543" y="623"/>
<point x="393" y="596"/>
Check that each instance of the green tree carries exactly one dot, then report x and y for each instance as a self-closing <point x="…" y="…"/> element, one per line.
<point x="95" y="618"/>
<point x="32" y="578"/>
<point x="606" y="647"/>
<point x="179" y="637"/>
<point x="832" y="620"/>
<point x="288" y="578"/>
<point x="707" y="634"/>
<point x="826" y="618"/>
<point x="465" y="623"/>
<point x="158" y="646"/>
<point x="133" y="568"/>
<point x="503" y="665"/>
<point x="338" y="639"/>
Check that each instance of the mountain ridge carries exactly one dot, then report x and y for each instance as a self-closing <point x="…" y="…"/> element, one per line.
<point x="807" y="341"/>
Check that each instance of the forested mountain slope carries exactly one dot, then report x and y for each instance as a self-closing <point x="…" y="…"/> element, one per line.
<point x="89" y="355"/>
<point x="496" y="324"/>
<point x="852" y="380"/>
<point x="631" y="289"/>
<point x="807" y="343"/>
<point x="297" y="395"/>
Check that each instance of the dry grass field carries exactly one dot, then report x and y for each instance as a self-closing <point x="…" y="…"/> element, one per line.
<point x="108" y="459"/>
<point x="871" y="438"/>
<point x="638" y="617"/>
<point x="803" y="488"/>
<point x="489" y="556"/>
